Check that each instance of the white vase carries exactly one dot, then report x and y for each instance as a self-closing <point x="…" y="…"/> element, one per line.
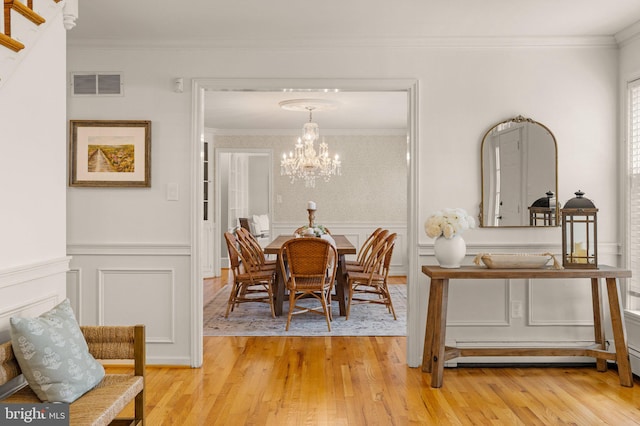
<point x="450" y="252"/>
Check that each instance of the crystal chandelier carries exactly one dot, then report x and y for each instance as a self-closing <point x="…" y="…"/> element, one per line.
<point x="305" y="163"/>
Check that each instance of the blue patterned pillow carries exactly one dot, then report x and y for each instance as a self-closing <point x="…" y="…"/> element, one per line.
<point x="54" y="356"/>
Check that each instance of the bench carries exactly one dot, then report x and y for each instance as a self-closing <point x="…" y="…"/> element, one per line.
<point x="102" y="404"/>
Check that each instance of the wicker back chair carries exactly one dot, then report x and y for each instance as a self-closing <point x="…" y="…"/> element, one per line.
<point x="365" y="249"/>
<point x="250" y="284"/>
<point x="368" y="254"/>
<point x="312" y="264"/>
<point x="370" y="285"/>
<point x="253" y="251"/>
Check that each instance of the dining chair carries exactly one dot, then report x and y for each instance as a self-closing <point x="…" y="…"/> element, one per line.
<point x="253" y="250"/>
<point x="312" y="265"/>
<point x="249" y="283"/>
<point x="370" y="285"/>
<point x="364" y="249"/>
<point x="367" y="252"/>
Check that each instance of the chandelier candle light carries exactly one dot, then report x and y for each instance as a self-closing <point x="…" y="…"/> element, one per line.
<point x="305" y="163"/>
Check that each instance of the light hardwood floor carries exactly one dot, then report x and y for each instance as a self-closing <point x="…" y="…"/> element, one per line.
<point x="365" y="381"/>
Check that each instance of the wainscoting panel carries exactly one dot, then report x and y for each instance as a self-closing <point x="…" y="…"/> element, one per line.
<point x="30" y="290"/>
<point x="558" y="302"/>
<point x="139" y="296"/>
<point x="632" y="322"/>
<point x="74" y="289"/>
<point x="32" y="308"/>
<point x="126" y="284"/>
<point x="464" y="309"/>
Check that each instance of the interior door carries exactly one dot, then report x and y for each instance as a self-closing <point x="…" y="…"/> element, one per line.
<point x="207" y="253"/>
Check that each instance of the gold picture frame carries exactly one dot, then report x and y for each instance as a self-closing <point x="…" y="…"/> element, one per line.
<point x="110" y="153"/>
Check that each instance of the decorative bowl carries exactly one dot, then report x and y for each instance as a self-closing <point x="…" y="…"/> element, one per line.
<point x="514" y="260"/>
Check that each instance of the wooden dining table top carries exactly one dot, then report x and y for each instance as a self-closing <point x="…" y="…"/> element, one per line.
<point x="343" y="245"/>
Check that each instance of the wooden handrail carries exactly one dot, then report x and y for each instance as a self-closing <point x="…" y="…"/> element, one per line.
<point x="24" y="10"/>
<point x="12" y="44"/>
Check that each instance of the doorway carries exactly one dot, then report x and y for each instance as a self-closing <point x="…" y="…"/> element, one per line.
<point x="243" y="189"/>
<point x="410" y="89"/>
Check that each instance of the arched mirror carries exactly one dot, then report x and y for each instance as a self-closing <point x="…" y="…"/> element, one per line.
<point x="519" y="161"/>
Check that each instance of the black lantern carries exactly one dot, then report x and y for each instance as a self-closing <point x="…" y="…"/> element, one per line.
<point x="579" y="233"/>
<point x="543" y="211"/>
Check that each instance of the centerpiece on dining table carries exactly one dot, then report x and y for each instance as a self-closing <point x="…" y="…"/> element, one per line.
<point x="313" y="229"/>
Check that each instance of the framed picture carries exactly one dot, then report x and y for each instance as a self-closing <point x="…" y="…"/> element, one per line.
<point x="110" y="153"/>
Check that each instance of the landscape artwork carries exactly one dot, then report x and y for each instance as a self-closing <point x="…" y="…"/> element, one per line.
<point x="110" y="153"/>
<point x="111" y="158"/>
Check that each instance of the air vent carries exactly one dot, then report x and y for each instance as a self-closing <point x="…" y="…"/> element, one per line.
<point x="96" y="84"/>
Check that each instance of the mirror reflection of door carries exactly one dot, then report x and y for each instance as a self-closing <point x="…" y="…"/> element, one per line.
<point x="519" y="166"/>
<point x="244" y="190"/>
<point x="510" y="209"/>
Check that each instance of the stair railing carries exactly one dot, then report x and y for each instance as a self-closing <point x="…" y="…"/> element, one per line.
<point x="25" y="10"/>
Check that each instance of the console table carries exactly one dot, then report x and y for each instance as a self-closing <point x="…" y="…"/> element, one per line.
<point x="436" y="354"/>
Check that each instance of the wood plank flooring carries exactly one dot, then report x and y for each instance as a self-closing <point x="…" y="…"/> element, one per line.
<point x="365" y="381"/>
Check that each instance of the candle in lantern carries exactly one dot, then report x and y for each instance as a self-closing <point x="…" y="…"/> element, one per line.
<point x="311" y="205"/>
<point x="580" y="253"/>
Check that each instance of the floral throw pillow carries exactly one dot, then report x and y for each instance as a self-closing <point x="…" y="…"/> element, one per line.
<point x="54" y="356"/>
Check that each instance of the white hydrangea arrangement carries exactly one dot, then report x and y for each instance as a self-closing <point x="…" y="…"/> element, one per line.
<point x="317" y="230"/>
<point x="448" y="223"/>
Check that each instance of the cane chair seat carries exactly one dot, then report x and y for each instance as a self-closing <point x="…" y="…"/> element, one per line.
<point x="311" y="272"/>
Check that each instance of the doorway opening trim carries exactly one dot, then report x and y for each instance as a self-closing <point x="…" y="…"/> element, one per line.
<point x="415" y="324"/>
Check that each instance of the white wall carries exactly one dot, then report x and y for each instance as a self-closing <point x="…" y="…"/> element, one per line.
<point x="463" y="92"/>
<point x="33" y="142"/>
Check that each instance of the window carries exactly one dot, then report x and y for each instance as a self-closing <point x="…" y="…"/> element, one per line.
<point x="633" y="141"/>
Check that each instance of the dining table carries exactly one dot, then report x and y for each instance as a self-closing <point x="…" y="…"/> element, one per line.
<point x="343" y="247"/>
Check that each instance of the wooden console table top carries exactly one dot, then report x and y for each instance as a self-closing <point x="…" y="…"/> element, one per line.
<point x="480" y="272"/>
<point x="435" y="353"/>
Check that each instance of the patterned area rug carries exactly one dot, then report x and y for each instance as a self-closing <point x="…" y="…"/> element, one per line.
<point x="254" y="319"/>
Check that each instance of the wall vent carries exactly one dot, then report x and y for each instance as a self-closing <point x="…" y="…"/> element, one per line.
<point x="96" y="84"/>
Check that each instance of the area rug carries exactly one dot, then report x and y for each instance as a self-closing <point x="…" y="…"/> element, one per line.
<point x="254" y="319"/>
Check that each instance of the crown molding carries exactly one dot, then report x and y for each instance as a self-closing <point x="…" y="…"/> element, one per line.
<point x="629" y="34"/>
<point x="359" y="42"/>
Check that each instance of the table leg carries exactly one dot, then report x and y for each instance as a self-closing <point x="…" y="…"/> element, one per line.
<point x="341" y="284"/>
<point x="619" y="334"/>
<point x="428" y="334"/>
<point x="279" y="293"/>
<point x="598" y="325"/>
<point x="439" y="317"/>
